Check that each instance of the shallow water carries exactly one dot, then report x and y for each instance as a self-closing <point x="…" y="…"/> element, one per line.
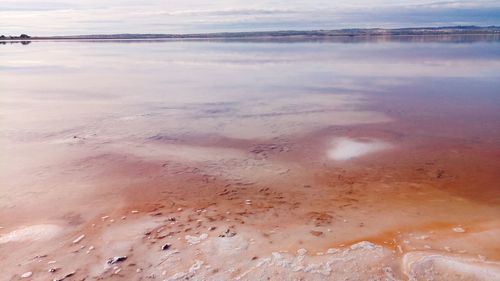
<point x="304" y="144"/>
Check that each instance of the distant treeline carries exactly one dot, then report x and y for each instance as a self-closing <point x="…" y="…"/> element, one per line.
<point x="20" y="37"/>
<point x="371" y="32"/>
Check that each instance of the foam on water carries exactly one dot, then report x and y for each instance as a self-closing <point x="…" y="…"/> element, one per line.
<point x="346" y="148"/>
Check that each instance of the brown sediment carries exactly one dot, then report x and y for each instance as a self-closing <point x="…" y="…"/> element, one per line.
<point x="295" y="197"/>
<point x="396" y="181"/>
<point x="422" y="175"/>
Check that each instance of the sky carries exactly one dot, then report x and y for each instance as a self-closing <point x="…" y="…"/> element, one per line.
<point x="77" y="17"/>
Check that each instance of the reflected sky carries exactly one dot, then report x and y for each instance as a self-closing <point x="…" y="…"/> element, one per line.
<point x="134" y="91"/>
<point x="100" y="79"/>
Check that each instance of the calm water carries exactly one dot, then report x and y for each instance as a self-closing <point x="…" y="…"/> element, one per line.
<point x="104" y="95"/>
<point x="54" y="87"/>
<point x="324" y="141"/>
<point x="60" y="100"/>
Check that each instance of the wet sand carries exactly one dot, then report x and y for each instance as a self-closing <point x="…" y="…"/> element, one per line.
<point x="331" y="187"/>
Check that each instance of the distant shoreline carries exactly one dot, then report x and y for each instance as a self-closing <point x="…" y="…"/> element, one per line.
<point x="288" y="34"/>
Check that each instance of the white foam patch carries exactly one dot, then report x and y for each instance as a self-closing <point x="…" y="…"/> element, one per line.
<point x="31" y="233"/>
<point x="346" y="148"/>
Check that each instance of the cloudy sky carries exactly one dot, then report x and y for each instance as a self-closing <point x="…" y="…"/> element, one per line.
<point x="74" y="17"/>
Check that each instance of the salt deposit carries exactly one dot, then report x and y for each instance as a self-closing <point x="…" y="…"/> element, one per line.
<point x="431" y="266"/>
<point x="195" y="240"/>
<point x="31" y="233"/>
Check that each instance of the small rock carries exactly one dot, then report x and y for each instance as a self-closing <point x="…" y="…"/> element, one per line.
<point x="90" y="249"/>
<point x="54" y="269"/>
<point x="78" y="239"/>
<point x="166" y="247"/>
<point x="104" y="218"/>
<point x="458" y="229"/>
<point x="65" y="276"/>
<point x="228" y="233"/>
<point x="316" y="233"/>
<point x="134" y="212"/>
<point x="117" y="259"/>
<point x="26" y="274"/>
<point x="117" y="271"/>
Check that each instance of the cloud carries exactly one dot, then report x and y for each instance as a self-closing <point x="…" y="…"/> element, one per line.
<point x="70" y="17"/>
<point x="458" y="4"/>
<point x="19" y="6"/>
<point x="231" y="12"/>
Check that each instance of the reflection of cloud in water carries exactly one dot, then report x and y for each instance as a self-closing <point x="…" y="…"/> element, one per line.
<point x="345" y="148"/>
<point x="252" y="119"/>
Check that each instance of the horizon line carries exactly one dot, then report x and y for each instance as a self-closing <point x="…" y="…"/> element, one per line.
<point x="288" y="32"/>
